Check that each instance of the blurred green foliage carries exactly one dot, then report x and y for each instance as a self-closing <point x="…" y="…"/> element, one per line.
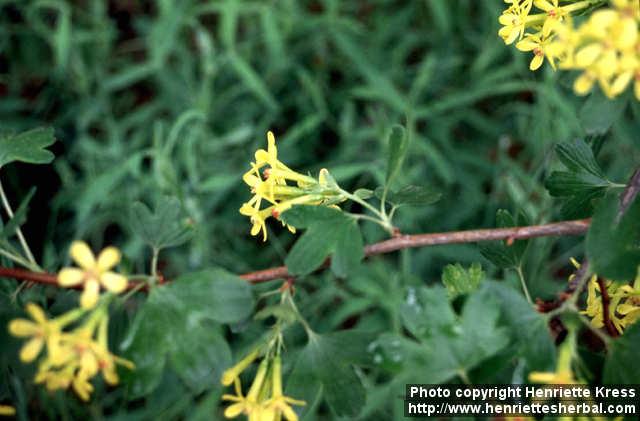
<point x="151" y="99"/>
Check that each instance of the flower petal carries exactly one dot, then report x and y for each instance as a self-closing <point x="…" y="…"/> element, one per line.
<point x="234" y="410"/>
<point x="536" y="62"/>
<point x="583" y="84"/>
<point x="68" y="277"/>
<point x="36" y="313"/>
<point x="289" y="413"/>
<point x="108" y="258"/>
<point x="82" y="255"/>
<point x="89" y="296"/>
<point x="23" y="328"/>
<point x="31" y="349"/>
<point x="114" y="282"/>
<point x="588" y="54"/>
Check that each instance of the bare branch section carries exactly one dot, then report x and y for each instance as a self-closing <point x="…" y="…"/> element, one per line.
<point x="563" y="228"/>
<point x="400" y="242"/>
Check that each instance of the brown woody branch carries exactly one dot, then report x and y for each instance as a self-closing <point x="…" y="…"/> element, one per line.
<point x="400" y="242"/>
<point x="576" y="227"/>
<point x="606" y="301"/>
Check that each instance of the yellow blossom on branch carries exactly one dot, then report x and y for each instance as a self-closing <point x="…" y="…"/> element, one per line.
<point x="41" y="331"/>
<point x="280" y="404"/>
<point x="624" y="301"/>
<point x="605" y="47"/>
<point x="72" y="357"/>
<point x="92" y="273"/>
<point x="265" y="400"/>
<point x="277" y="186"/>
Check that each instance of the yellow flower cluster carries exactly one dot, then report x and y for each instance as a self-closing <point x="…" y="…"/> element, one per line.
<point x="265" y="400"/>
<point x="269" y="181"/>
<point x="92" y="273"/>
<point x="624" y="307"/>
<point x="73" y="357"/>
<point x="605" y="47"/>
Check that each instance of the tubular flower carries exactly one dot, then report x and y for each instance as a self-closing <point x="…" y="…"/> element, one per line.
<point x="248" y="405"/>
<point x="563" y="373"/>
<point x="41" y="331"/>
<point x="624" y="304"/>
<point x="514" y="20"/>
<point x="93" y="273"/>
<point x="264" y="401"/>
<point x="279" y="187"/>
<point x="72" y="357"/>
<point x="605" y="48"/>
<point x="230" y="375"/>
<point x="537" y="45"/>
<point x="280" y="404"/>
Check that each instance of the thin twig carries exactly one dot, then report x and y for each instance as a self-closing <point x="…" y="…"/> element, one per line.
<point x="400" y="242"/>
<point x="576" y="227"/>
<point x="52" y="279"/>
<point x="21" y="239"/>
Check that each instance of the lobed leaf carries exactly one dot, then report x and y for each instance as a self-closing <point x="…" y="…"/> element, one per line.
<point x="27" y="147"/>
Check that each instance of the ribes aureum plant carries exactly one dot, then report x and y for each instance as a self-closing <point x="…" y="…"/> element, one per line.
<point x="153" y="274"/>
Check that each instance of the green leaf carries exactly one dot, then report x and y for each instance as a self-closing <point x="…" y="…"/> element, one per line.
<point x="582" y="184"/>
<point x="328" y="360"/>
<point x="172" y="324"/>
<point x="498" y="252"/>
<point x="527" y="325"/>
<point x="450" y="344"/>
<point x="398" y="144"/>
<point x="200" y="355"/>
<point x="599" y="112"/>
<point x="562" y="183"/>
<point x="328" y="232"/>
<point x="148" y="341"/>
<point x="621" y="364"/>
<point x="164" y="227"/>
<point x="27" y="147"/>
<point x="578" y="156"/>
<point x="612" y="242"/>
<point x="410" y="196"/>
<point x="213" y="294"/>
<point x="459" y="280"/>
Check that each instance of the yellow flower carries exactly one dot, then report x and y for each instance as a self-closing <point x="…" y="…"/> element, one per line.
<point x="40" y="329"/>
<point x="605" y="47"/>
<point x="555" y="13"/>
<point x="73" y="358"/>
<point x="258" y="217"/>
<point x="563" y="373"/>
<point x="6" y="410"/>
<point x="82" y="386"/>
<point x="624" y="302"/>
<point x="537" y="45"/>
<point x="280" y="404"/>
<point x="230" y="375"/>
<point x="248" y="405"/>
<point x="93" y="273"/>
<point x="514" y="20"/>
<point x="271" y="187"/>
